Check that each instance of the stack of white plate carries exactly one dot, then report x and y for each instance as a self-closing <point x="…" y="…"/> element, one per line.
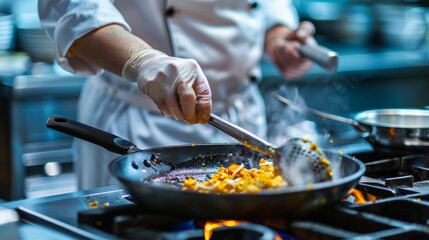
<point x="33" y="39"/>
<point x="7" y="32"/>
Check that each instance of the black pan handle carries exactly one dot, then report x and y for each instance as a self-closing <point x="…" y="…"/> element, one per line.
<point x="97" y="136"/>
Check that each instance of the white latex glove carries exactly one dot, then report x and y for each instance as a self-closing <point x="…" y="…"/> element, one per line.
<point x="282" y="48"/>
<point x="177" y="86"/>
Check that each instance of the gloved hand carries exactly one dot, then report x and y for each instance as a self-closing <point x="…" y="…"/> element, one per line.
<point x="281" y="45"/>
<point x="177" y="86"/>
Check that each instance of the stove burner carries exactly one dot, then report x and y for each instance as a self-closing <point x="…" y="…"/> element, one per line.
<point x="389" y="219"/>
<point x="130" y="222"/>
<point x="395" y="176"/>
<point x="117" y="218"/>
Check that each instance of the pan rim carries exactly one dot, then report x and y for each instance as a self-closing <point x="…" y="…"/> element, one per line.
<point x="268" y="192"/>
<point x="363" y="115"/>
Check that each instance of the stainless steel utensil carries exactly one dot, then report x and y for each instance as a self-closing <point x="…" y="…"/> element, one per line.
<point x="300" y="160"/>
<point x="324" y="57"/>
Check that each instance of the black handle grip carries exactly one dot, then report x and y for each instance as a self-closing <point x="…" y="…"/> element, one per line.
<point x="85" y="132"/>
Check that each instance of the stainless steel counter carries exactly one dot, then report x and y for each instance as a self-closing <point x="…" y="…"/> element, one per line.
<point x="30" y="225"/>
<point x="45" y="86"/>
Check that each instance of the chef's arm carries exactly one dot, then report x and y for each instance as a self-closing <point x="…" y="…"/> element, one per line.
<point x="177" y="86"/>
<point x="108" y="47"/>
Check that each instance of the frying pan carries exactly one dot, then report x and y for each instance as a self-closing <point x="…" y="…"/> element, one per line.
<point x="398" y="130"/>
<point x="152" y="178"/>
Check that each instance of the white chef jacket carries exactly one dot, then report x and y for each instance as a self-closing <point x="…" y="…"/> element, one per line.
<point x="225" y="37"/>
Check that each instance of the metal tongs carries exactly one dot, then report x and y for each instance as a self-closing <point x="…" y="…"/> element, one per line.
<point x="298" y="157"/>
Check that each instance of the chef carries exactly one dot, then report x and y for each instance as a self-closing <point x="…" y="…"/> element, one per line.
<point x="159" y="67"/>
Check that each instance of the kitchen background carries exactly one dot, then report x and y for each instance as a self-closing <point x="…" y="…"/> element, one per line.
<point x="383" y="51"/>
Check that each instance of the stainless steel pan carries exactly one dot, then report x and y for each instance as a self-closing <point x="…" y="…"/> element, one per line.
<point x="402" y="130"/>
<point x="152" y="178"/>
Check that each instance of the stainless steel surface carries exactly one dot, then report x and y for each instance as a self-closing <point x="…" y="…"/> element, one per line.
<point x="385" y="129"/>
<point x="55" y="217"/>
<point x="401" y="118"/>
<point x="324" y="57"/>
<point x="47" y="86"/>
<point x="66" y="218"/>
<point x="294" y="158"/>
<point x="9" y="224"/>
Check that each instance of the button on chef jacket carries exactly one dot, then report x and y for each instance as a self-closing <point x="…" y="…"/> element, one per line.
<point x="224" y="36"/>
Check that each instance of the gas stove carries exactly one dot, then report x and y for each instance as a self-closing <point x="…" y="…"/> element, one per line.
<point x="390" y="202"/>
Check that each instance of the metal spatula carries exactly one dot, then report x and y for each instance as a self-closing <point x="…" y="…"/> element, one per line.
<point x="300" y="161"/>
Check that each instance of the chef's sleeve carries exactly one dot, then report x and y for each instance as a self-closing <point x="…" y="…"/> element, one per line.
<point x="64" y="21"/>
<point x="279" y="12"/>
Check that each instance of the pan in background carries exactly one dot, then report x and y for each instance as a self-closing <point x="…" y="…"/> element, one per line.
<point x="396" y="129"/>
<point x="392" y="130"/>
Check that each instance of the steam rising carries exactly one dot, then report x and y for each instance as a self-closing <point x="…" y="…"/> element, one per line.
<point x="331" y="93"/>
<point x="284" y="123"/>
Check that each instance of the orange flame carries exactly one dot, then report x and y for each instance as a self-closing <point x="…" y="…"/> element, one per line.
<point x="210" y="226"/>
<point x="361" y="197"/>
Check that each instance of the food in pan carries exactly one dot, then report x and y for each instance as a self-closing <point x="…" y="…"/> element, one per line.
<point x="237" y="179"/>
